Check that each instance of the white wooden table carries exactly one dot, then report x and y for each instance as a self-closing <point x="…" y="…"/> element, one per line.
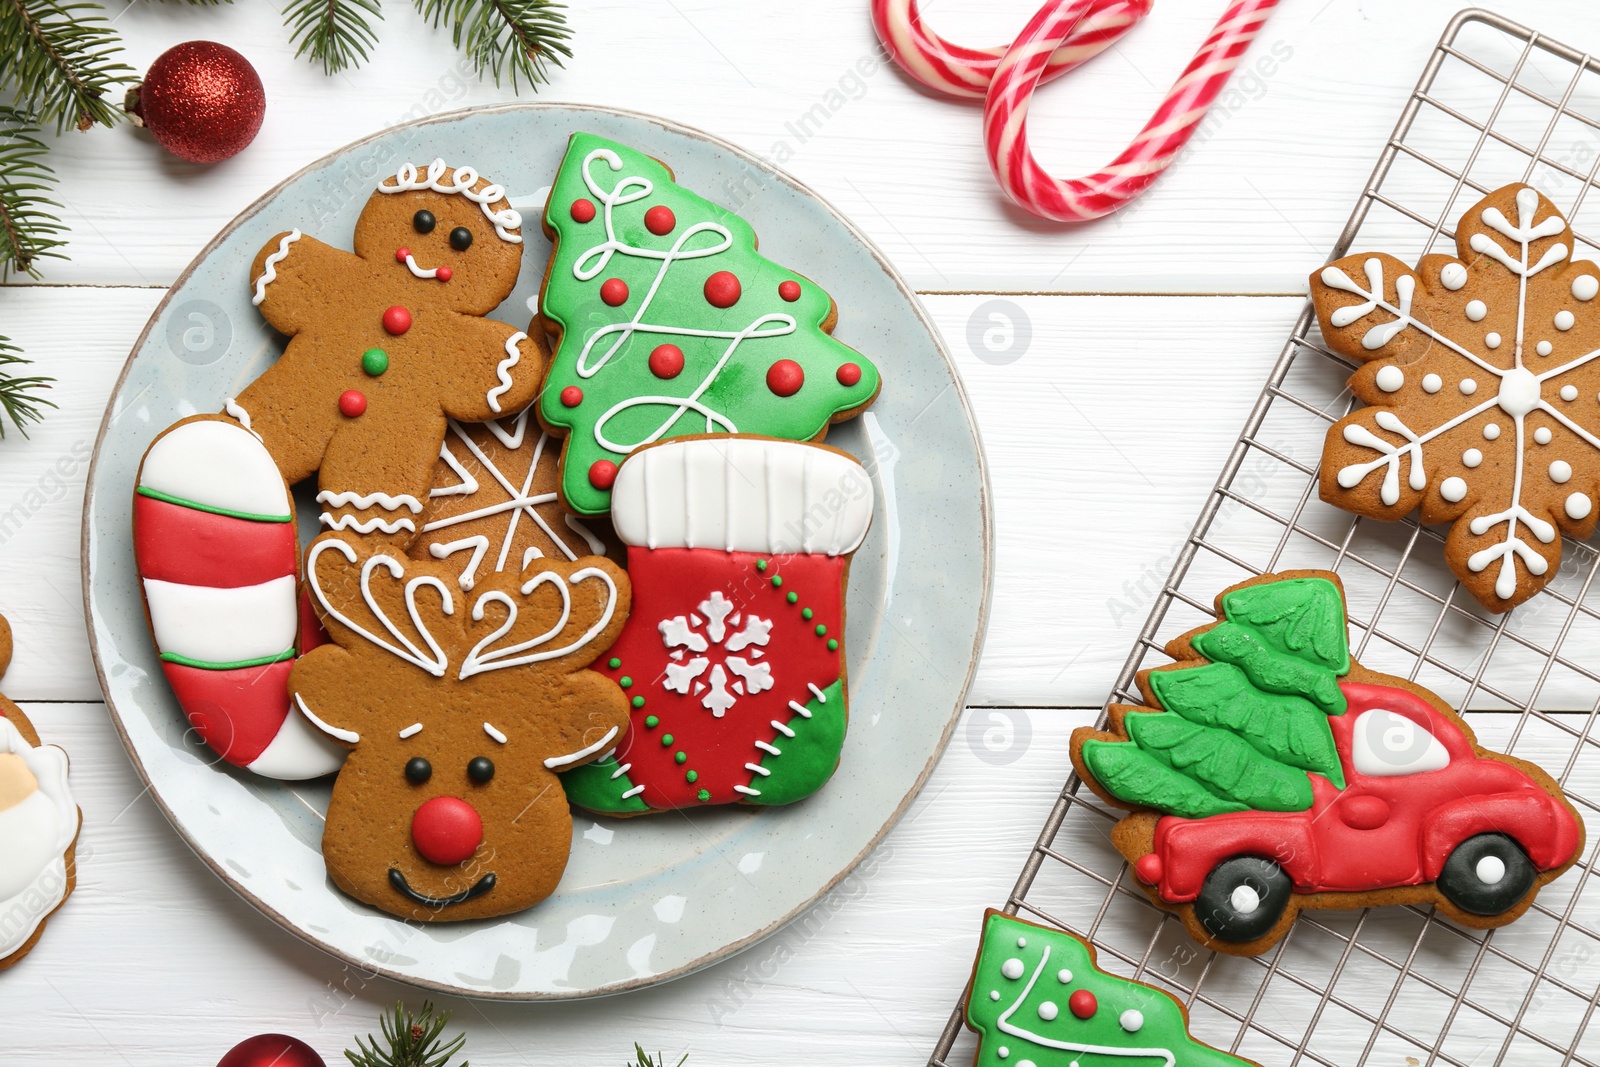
<point x="1150" y="331"/>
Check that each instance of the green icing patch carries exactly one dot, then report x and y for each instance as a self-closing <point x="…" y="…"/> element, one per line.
<point x="1269" y="669"/>
<point x="1019" y="1005"/>
<point x="1301" y="617"/>
<point x="809" y="757"/>
<point x="1130" y="774"/>
<point x="1223" y="763"/>
<point x="598" y="788"/>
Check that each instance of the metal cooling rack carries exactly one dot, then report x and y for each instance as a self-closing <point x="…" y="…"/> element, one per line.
<point x="1398" y="986"/>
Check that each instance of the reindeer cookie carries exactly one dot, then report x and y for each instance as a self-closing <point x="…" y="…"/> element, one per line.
<point x="457" y="708"/>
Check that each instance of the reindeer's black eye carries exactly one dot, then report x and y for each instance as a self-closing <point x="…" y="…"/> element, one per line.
<point x="480" y="769"/>
<point x="460" y="238"/>
<point x="423" y="221"/>
<point x="418" y="770"/>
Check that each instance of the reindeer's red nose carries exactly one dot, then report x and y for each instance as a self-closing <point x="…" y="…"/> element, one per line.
<point x="446" y="830"/>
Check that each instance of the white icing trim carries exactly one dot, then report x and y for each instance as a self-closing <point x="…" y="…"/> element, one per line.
<point x="766" y="747"/>
<point x="747" y="791"/>
<point x="419" y="272"/>
<point x="297" y="752"/>
<point x="479" y="544"/>
<point x="489" y="729"/>
<point x="411" y="731"/>
<point x="408" y="651"/>
<point x="223" y="625"/>
<point x="822" y="698"/>
<point x="478" y="660"/>
<point x="635" y="791"/>
<point x="383" y="500"/>
<point x="799" y="708"/>
<point x="216" y="463"/>
<point x="588" y="750"/>
<point x="235" y="410"/>
<point x="269" y="271"/>
<point x="350" y="522"/>
<point x="48" y="764"/>
<point x="332" y="731"/>
<point x="461" y="182"/>
<point x="1005" y="1025"/>
<point x="503" y="371"/>
<point x="782" y="729"/>
<point x="756" y="768"/>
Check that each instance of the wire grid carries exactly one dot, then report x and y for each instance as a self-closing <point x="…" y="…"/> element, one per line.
<point x="1396" y="985"/>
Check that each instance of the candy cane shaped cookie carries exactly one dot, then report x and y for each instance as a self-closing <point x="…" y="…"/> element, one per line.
<point x="1024" y="66"/>
<point x="960" y="71"/>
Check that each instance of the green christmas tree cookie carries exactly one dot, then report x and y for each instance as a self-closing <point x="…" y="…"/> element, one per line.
<point x="1037" y="999"/>
<point x="671" y="324"/>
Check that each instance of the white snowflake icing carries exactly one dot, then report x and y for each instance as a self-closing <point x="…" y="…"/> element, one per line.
<point x="1517" y="390"/>
<point x="703" y="646"/>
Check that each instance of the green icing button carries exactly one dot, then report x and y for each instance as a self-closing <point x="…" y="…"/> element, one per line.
<point x="777" y="580"/>
<point x="833" y="646"/>
<point x="792" y="597"/>
<point x="692" y="777"/>
<point x="822" y="631"/>
<point x="680" y="757"/>
<point x="613" y="663"/>
<point x="805" y="613"/>
<point x="704" y="794"/>
<point x="651" y="721"/>
<point x="625" y="682"/>
<point x="666" y="740"/>
<point x="638" y="702"/>
<point x="374" y="361"/>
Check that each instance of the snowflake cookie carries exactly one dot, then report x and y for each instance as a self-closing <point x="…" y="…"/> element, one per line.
<point x="1482" y="386"/>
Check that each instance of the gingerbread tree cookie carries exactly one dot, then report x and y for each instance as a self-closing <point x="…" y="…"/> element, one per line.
<point x="670" y="323"/>
<point x="457" y="709"/>
<point x="1482" y="386"/>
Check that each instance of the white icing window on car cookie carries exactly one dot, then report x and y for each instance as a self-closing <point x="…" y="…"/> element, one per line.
<point x="1385" y="744"/>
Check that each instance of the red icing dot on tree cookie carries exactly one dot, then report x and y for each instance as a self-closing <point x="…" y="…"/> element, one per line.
<point x="660" y="220"/>
<point x="785" y="377"/>
<point x="602" y="473"/>
<point x="666" y="361"/>
<point x="397" y="320"/>
<point x="571" y="396"/>
<point x="789" y="290"/>
<point x="849" y="374"/>
<point x="352" y="404"/>
<point x="614" y="291"/>
<point x="582" y="210"/>
<point x="446" y="830"/>
<point x="722" y="289"/>
<point x="1083" y="1004"/>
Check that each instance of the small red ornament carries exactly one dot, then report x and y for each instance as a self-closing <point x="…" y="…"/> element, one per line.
<point x="849" y="374"/>
<point x="446" y="830"/>
<point x="444" y="274"/>
<point x="785" y="377"/>
<point x="352" y="404"/>
<point x="397" y="320"/>
<point x="1083" y="1004"/>
<point x="660" y="220"/>
<point x="202" y="101"/>
<point x="401" y="255"/>
<point x="722" y="289"/>
<point x="582" y="210"/>
<point x="272" y="1050"/>
<point x="789" y="290"/>
<point x="571" y="396"/>
<point x="614" y="291"/>
<point x="666" y="361"/>
<point x="602" y="474"/>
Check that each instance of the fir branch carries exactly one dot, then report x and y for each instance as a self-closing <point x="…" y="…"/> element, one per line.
<point x="646" y="1060"/>
<point x="28" y="231"/>
<point x="513" y="38"/>
<point x="58" y="61"/>
<point x="409" y="1041"/>
<point x="18" y="401"/>
<point x="334" y="32"/>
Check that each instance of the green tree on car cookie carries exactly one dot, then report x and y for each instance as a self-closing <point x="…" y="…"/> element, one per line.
<point x="1038" y="998"/>
<point x="671" y="324"/>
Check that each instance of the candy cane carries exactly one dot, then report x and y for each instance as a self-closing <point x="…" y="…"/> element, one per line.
<point x="1061" y="36"/>
<point x="960" y="71"/>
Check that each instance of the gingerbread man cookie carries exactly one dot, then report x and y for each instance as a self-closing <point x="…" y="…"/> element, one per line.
<point x="458" y="709"/>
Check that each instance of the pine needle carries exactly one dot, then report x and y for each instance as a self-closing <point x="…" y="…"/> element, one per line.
<point x="28" y="230"/>
<point x="58" y="60"/>
<point x="646" y="1060"/>
<point x="17" y="399"/>
<point x="516" y="39"/>
<point x="409" y="1041"/>
<point x="335" y="33"/>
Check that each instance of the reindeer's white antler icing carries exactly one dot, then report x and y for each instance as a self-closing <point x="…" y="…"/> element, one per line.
<point x="435" y="664"/>
<point x="480" y="660"/>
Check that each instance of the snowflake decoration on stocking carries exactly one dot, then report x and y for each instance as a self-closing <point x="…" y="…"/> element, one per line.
<point x="713" y="632"/>
<point x="1482" y="386"/>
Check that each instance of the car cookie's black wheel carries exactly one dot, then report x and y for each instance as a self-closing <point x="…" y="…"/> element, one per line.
<point x="1243" y="898"/>
<point x="1486" y="875"/>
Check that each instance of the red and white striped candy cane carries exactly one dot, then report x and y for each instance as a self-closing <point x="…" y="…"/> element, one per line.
<point x="956" y="70"/>
<point x="1021" y="69"/>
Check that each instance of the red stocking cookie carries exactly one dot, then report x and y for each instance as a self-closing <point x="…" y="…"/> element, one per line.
<point x="457" y="709"/>
<point x="733" y="659"/>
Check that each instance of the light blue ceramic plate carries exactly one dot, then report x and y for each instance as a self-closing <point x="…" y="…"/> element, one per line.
<point x="645" y="900"/>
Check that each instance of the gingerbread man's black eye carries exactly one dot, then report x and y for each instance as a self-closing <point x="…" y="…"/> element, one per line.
<point x="418" y="770"/>
<point x="423" y="221"/>
<point x="480" y="769"/>
<point x="460" y="238"/>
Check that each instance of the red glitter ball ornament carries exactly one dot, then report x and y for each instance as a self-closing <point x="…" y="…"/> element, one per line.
<point x="789" y="290"/>
<point x="1083" y="1004"/>
<point x="571" y="396"/>
<point x="666" y="361"/>
<point x="272" y="1050"/>
<point x="785" y="377"/>
<point x="602" y="473"/>
<point x="202" y="101"/>
<point x="614" y="291"/>
<point x="660" y="220"/>
<point x="849" y="374"/>
<point x="582" y="210"/>
<point x="723" y="289"/>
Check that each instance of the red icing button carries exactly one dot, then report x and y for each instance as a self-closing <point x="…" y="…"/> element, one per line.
<point x="785" y="377"/>
<point x="602" y="473"/>
<point x="446" y="830"/>
<point x="660" y="220"/>
<point x="397" y="320"/>
<point x="666" y="361"/>
<point x="402" y="254"/>
<point x="352" y="403"/>
<point x="722" y="289"/>
<point x="1083" y="1003"/>
<point x="582" y="210"/>
<point x="444" y="274"/>
<point x="571" y="396"/>
<point x="849" y="374"/>
<point x="614" y="291"/>
<point x="789" y="290"/>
